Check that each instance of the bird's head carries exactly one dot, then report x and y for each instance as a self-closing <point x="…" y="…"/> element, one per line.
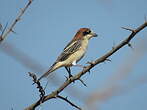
<point x="84" y="33"/>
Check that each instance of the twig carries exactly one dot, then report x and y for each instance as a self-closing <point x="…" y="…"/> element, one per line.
<point x="18" y="18"/>
<point x="129" y="29"/>
<point x="36" y="81"/>
<point x="82" y="82"/>
<point x="1" y="27"/>
<point x="72" y="104"/>
<point x="87" y="68"/>
<point x="3" y="30"/>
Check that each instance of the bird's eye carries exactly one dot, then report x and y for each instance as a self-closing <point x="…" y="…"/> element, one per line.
<point x="87" y="32"/>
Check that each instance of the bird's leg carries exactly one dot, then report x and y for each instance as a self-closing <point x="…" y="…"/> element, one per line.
<point x="69" y="71"/>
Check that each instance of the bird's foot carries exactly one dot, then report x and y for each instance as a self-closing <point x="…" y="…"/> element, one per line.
<point x="70" y="75"/>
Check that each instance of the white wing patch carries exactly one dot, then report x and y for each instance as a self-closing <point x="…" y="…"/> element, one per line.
<point x="74" y="63"/>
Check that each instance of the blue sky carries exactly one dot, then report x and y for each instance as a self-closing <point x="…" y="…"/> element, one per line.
<point x="47" y="27"/>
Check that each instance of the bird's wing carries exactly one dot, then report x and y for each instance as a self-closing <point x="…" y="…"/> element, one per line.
<point x="71" y="47"/>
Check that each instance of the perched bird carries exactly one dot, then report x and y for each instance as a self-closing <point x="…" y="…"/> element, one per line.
<point x="73" y="52"/>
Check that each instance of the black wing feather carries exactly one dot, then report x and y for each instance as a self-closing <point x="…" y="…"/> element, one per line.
<point x="69" y="49"/>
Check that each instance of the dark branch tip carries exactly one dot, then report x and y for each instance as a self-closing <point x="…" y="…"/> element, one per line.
<point x="82" y="82"/>
<point x="30" y="0"/>
<point x="1" y="38"/>
<point x="89" y="71"/>
<point x="145" y="19"/>
<point x="66" y="97"/>
<point x="113" y="47"/>
<point x="91" y="63"/>
<point x="108" y="60"/>
<point x="57" y="92"/>
<point x="146" y="23"/>
<point x="1" y="27"/>
<point x="129" y="29"/>
<point x="13" y="31"/>
<point x="130" y="45"/>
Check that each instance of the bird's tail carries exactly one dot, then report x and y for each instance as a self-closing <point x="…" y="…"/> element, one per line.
<point x="51" y="69"/>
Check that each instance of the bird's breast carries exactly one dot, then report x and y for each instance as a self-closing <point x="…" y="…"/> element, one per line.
<point x="78" y="55"/>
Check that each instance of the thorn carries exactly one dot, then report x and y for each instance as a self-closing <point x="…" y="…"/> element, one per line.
<point x="108" y="60"/>
<point x="30" y="74"/>
<point x="13" y="31"/>
<point x="57" y="92"/>
<point x="113" y="45"/>
<point x="30" y="0"/>
<point x="17" y="19"/>
<point x="33" y="76"/>
<point x="129" y="29"/>
<point x="145" y="19"/>
<point x="72" y="81"/>
<point x="83" y="82"/>
<point x="22" y="11"/>
<point x="130" y="45"/>
<point x="91" y="63"/>
<point x="89" y="71"/>
<point x="1" y="38"/>
<point x="88" y="62"/>
<point x="1" y="27"/>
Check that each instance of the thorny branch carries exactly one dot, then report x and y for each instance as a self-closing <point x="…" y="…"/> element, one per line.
<point x="18" y="18"/>
<point x="36" y="81"/>
<point x="87" y="68"/>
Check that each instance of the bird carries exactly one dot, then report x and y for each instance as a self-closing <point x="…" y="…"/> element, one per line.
<point x="73" y="52"/>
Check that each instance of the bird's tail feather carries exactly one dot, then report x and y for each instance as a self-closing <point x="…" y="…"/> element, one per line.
<point x="51" y="69"/>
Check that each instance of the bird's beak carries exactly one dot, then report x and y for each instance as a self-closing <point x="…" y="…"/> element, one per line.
<point x="94" y="34"/>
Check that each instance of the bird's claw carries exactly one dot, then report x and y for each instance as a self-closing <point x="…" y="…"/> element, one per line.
<point x="70" y="75"/>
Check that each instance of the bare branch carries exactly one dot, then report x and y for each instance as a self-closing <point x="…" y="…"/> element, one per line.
<point x="87" y="68"/>
<point x="36" y="81"/>
<point x="72" y="104"/>
<point x="10" y="29"/>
